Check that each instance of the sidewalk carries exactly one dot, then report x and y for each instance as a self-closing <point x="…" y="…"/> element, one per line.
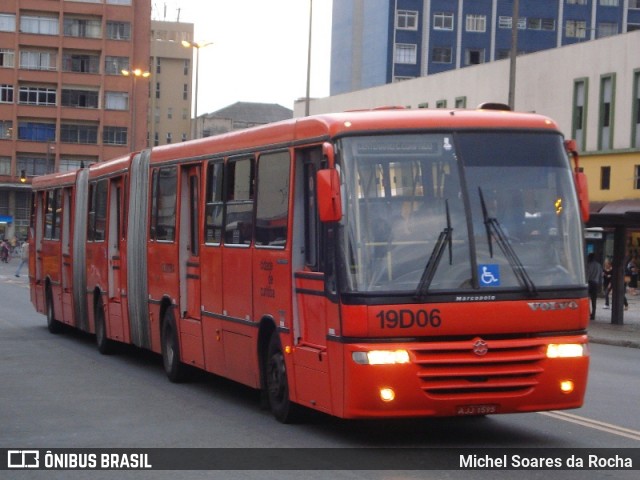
<point x="600" y="330"/>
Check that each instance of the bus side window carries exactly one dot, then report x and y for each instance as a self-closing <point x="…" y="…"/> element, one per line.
<point x="272" y="204"/>
<point x="239" y="179"/>
<point x="312" y="225"/>
<point x="163" y="206"/>
<point x="214" y="203"/>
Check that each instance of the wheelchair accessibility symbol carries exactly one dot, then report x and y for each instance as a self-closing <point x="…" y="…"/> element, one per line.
<point x="489" y="275"/>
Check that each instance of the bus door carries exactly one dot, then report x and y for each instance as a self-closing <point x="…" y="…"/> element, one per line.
<point x="36" y="260"/>
<point x="67" y="258"/>
<point x="240" y="356"/>
<point x="115" y="246"/>
<point x="311" y="327"/>
<point x="189" y="264"/>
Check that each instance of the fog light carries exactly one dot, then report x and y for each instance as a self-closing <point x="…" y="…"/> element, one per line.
<point x="387" y="394"/>
<point x="567" y="386"/>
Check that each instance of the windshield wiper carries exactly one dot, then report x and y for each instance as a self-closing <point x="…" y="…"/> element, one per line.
<point x="444" y="239"/>
<point x="494" y="229"/>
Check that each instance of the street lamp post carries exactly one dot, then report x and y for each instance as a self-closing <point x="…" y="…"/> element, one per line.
<point x="135" y="74"/>
<point x="197" y="46"/>
<point x="307" y="100"/>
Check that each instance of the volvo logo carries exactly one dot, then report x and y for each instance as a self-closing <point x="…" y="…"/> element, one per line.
<point x="550" y="306"/>
<point x="480" y="347"/>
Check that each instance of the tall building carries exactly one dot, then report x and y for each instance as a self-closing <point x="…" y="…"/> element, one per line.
<point x="171" y="79"/>
<point x="64" y="100"/>
<point x="375" y="42"/>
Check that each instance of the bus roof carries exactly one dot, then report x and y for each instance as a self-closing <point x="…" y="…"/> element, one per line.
<point x="316" y="129"/>
<point x="320" y="128"/>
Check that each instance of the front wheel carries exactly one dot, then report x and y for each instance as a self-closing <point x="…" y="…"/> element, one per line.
<point x="281" y="405"/>
<point x="173" y="367"/>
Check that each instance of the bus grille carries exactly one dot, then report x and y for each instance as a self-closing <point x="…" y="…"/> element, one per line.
<point x="478" y="367"/>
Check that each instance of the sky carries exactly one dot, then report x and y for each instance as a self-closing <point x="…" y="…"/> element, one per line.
<point x="259" y="48"/>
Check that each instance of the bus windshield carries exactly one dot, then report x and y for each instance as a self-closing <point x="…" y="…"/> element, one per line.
<point x="458" y="211"/>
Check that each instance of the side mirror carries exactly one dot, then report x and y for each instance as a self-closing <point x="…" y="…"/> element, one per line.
<point x="580" y="180"/>
<point x="329" y="198"/>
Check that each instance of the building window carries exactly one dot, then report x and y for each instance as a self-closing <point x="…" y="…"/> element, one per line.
<point x="577" y="2"/>
<point x="605" y="124"/>
<point x="185" y="68"/>
<point x="37" y="96"/>
<point x="7" y="22"/>
<point x="169" y="113"/>
<point x="607" y="29"/>
<point x="158" y="92"/>
<point x="636" y="177"/>
<point x="576" y="29"/>
<point x="476" y="23"/>
<point x="6" y="93"/>
<point x="406" y="53"/>
<point x="609" y="3"/>
<point x="79" y="98"/>
<point x="506" y="22"/>
<point x="5" y="164"/>
<point x="70" y="163"/>
<point x="185" y="91"/>
<point x="634" y="4"/>
<point x="474" y="56"/>
<point x="35" y="164"/>
<point x="6" y="129"/>
<point x="441" y="104"/>
<point x="39" y="25"/>
<point x="116" y="101"/>
<point x="33" y="60"/>
<point x="36" y="131"/>
<point x="158" y="65"/>
<point x="118" y="2"/>
<point x="407" y="20"/>
<point x="169" y="138"/>
<point x="461" y="102"/>
<point x="79" y="133"/>
<point x="115" y="65"/>
<point x="546" y="24"/>
<point x="441" y="55"/>
<point x="7" y="58"/>
<point x="443" y="21"/>
<point x="578" y="128"/>
<point x="118" y="30"/>
<point x="82" y="27"/>
<point x="605" y="178"/>
<point x="79" y="63"/>
<point x="114" y="136"/>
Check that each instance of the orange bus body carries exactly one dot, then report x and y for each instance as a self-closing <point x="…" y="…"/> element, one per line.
<point x="170" y="249"/>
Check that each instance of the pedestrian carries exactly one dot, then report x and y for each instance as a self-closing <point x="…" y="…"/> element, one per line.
<point x="594" y="280"/>
<point x="607" y="284"/>
<point x="24" y="257"/>
<point x="4" y="251"/>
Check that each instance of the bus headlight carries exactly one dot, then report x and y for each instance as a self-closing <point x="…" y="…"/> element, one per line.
<point x="566" y="350"/>
<point x="381" y="357"/>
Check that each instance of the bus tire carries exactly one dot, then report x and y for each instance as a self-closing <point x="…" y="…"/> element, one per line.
<point x="105" y="346"/>
<point x="53" y="325"/>
<point x="277" y="384"/>
<point x="173" y="367"/>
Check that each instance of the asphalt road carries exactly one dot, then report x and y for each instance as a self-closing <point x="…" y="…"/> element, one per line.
<point x="58" y="392"/>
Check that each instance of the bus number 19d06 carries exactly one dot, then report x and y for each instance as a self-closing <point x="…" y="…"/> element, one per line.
<point x="406" y="318"/>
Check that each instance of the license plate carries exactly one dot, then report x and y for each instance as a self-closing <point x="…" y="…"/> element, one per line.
<point x="476" y="409"/>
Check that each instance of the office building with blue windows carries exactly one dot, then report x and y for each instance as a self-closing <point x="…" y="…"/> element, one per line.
<point x="376" y="42"/>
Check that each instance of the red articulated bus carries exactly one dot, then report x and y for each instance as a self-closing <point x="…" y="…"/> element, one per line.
<point x="374" y="264"/>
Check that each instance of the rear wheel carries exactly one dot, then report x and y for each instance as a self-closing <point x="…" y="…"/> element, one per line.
<point x="53" y="325"/>
<point x="105" y="346"/>
<point x="281" y="405"/>
<point x="173" y="367"/>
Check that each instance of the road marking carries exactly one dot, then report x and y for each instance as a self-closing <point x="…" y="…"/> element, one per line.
<point x="595" y="424"/>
